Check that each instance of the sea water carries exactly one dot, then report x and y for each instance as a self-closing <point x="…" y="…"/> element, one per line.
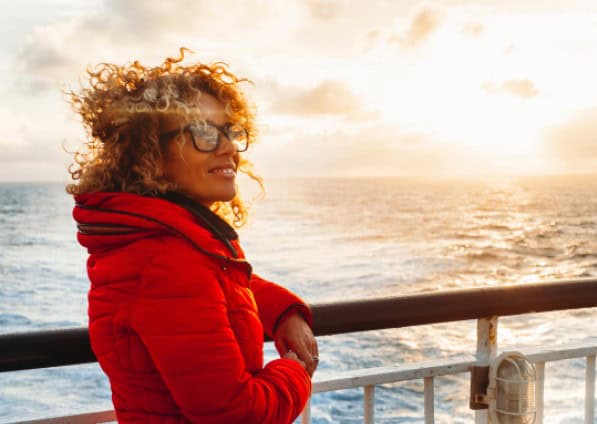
<point x="329" y="240"/>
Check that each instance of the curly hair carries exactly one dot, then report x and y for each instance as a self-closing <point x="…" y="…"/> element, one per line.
<point x="120" y="111"/>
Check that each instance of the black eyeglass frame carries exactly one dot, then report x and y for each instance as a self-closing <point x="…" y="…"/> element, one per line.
<point x="222" y="131"/>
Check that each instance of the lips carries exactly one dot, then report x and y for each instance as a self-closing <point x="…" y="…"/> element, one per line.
<point x="226" y="170"/>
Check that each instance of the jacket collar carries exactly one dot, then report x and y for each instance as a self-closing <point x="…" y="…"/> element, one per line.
<point x="107" y="219"/>
<point x="212" y="221"/>
<point x="216" y="225"/>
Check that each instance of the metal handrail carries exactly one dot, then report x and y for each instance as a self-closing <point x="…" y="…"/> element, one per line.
<point x="51" y="348"/>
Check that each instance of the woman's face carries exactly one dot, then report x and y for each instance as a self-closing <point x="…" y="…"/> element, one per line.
<point x="204" y="177"/>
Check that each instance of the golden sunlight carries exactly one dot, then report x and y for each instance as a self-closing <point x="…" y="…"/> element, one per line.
<point x="451" y="93"/>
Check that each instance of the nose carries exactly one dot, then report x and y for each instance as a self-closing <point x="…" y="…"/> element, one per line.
<point x="226" y="146"/>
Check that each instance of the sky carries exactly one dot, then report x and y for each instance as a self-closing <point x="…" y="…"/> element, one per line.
<point x="341" y="88"/>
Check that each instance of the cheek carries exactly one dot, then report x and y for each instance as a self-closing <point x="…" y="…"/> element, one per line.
<point x="178" y="164"/>
<point x="193" y="175"/>
<point x="178" y="171"/>
<point x="195" y="166"/>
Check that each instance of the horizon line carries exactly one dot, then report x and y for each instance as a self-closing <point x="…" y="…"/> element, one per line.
<point x="404" y="176"/>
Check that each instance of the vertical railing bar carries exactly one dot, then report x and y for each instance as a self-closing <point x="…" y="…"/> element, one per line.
<point x="486" y="352"/>
<point x="306" y="415"/>
<point x="590" y="390"/>
<point x="369" y="404"/>
<point x="429" y="400"/>
<point x="539" y="390"/>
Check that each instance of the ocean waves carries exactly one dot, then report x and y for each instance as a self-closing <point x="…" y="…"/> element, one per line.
<point x="333" y="240"/>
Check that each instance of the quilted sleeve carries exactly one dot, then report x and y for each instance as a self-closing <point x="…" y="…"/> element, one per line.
<point x="180" y="315"/>
<point x="276" y="303"/>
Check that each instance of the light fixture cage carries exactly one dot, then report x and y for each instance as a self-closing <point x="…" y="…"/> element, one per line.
<point x="511" y="391"/>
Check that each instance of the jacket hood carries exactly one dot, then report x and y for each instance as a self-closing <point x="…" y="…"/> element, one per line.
<point x="109" y="220"/>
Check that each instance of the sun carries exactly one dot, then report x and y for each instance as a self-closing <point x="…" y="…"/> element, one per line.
<point x="441" y="92"/>
<point x="459" y="113"/>
<point x="488" y="124"/>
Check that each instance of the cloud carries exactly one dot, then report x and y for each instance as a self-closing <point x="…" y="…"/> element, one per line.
<point x="326" y="98"/>
<point x="150" y="18"/>
<point x="47" y="56"/>
<point x="475" y="29"/>
<point x="508" y="50"/>
<point x="371" y="39"/>
<point x="575" y="140"/>
<point x="34" y="159"/>
<point x="521" y="88"/>
<point x="148" y="30"/>
<point x="30" y="136"/>
<point x="424" y="23"/>
<point x="323" y="9"/>
<point x="378" y="149"/>
<point x="373" y="35"/>
<point x="43" y="60"/>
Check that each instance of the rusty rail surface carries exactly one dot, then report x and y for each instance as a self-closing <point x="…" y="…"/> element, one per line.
<point x="41" y="349"/>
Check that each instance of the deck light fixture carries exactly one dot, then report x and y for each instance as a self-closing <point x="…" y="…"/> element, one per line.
<point x="511" y="390"/>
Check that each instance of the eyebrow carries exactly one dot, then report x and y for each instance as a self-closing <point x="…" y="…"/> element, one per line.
<point x="227" y="123"/>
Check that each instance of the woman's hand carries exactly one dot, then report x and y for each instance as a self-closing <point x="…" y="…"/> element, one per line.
<point x="291" y="355"/>
<point x="294" y="335"/>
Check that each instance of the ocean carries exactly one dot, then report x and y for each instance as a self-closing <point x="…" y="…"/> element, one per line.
<point x="335" y="240"/>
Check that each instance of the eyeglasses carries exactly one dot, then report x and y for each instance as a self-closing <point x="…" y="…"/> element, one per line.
<point x="207" y="136"/>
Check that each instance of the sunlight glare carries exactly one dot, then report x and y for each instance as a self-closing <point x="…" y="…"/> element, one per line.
<point x="446" y="100"/>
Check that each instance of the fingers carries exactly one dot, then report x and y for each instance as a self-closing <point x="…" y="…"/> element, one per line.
<point x="309" y="356"/>
<point x="315" y="354"/>
<point x="309" y="362"/>
<point x="314" y="349"/>
<point x="291" y="355"/>
<point x="296" y="335"/>
<point x="311" y="366"/>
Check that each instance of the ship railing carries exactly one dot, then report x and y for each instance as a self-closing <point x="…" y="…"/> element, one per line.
<point x="71" y="346"/>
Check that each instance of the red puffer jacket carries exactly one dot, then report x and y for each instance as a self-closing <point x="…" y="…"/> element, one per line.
<point x="177" y="323"/>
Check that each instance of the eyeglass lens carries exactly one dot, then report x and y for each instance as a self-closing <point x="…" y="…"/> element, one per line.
<point x="206" y="137"/>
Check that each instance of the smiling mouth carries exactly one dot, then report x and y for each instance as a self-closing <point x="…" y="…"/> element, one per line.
<point x="227" y="172"/>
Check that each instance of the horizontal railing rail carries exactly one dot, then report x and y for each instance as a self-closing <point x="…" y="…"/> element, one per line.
<point x="42" y="349"/>
<point x="369" y="378"/>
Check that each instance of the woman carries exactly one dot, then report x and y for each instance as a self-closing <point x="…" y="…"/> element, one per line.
<point x="176" y="315"/>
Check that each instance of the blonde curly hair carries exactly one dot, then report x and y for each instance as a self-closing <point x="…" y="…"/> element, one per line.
<point x="120" y="110"/>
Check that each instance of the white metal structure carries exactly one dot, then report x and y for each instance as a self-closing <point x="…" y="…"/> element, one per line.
<point x="486" y="352"/>
<point x="59" y="347"/>
<point x="370" y="377"/>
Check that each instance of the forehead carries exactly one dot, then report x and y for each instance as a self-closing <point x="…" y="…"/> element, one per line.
<point x="209" y="108"/>
<point x="205" y="107"/>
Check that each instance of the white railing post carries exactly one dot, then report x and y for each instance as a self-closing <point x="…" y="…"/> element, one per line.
<point x="539" y="390"/>
<point x="590" y="390"/>
<point x="369" y="405"/>
<point x="306" y="415"/>
<point x="369" y="378"/>
<point x="486" y="352"/>
<point x="429" y="400"/>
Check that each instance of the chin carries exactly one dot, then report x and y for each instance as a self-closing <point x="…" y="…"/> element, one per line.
<point x="211" y="198"/>
<point x="227" y="197"/>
